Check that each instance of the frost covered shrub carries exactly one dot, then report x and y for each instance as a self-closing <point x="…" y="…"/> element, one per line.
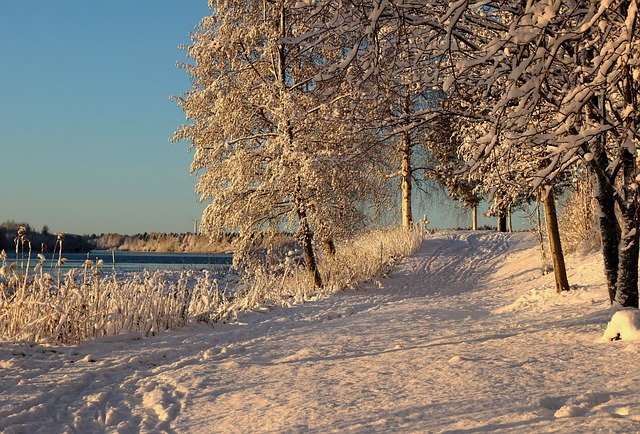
<point x="87" y="305"/>
<point x="369" y="255"/>
<point x="578" y="222"/>
<point x="357" y="260"/>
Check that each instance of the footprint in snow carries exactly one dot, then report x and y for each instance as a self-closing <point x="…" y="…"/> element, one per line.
<point x="563" y="407"/>
<point x="456" y="360"/>
<point x="220" y="353"/>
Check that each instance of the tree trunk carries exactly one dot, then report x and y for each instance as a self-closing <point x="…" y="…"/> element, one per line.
<point x="307" y="247"/>
<point x="502" y="221"/>
<point x="609" y="227"/>
<point x="407" y="173"/>
<point x="559" y="269"/>
<point x="509" y="220"/>
<point x="599" y="164"/>
<point x="627" y="283"/>
<point x="474" y="213"/>
<point x="305" y="231"/>
<point x="540" y="233"/>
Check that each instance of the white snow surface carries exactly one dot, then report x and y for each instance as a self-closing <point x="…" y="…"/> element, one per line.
<point x="464" y="336"/>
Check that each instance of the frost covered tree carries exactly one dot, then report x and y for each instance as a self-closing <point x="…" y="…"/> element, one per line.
<point x="388" y="51"/>
<point x="563" y="76"/>
<point x="269" y="149"/>
<point x="413" y="105"/>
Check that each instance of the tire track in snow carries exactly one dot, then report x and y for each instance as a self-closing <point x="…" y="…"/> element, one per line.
<point x="458" y="261"/>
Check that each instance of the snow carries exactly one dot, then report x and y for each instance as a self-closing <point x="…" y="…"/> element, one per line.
<point x="624" y="325"/>
<point x="467" y="335"/>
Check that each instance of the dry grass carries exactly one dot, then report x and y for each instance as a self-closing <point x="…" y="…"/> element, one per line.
<point x="84" y="304"/>
<point x="359" y="260"/>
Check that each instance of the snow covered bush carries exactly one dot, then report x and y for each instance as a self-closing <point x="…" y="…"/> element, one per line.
<point x="87" y="305"/>
<point x="357" y="260"/>
<point x="369" y="255"/>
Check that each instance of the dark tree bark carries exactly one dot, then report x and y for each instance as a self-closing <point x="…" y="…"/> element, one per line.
<point x="609" y="232"/>
<point x="307" y="247"/>
<point x="627" y="283"/>
<point x="502" y="221"/>
<point x="559" y="269"/>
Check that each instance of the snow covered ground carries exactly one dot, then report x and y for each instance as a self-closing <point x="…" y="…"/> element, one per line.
<point x="465" y="336"/>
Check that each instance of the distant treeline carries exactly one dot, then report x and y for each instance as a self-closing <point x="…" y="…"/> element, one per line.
<point x="161" y="242"/>
<point x="44" y="241"/>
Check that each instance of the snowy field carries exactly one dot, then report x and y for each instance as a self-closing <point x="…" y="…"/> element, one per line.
<point x="465" y="336"/>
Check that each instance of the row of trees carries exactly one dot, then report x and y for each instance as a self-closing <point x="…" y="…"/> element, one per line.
<point x="40" y="241"/>
<point x="303" y="113"/>
<point x="163" y="242"/>
<point x="44" y="241"/>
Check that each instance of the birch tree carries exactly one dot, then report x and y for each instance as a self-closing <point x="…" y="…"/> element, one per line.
<point x="386" y="50"/>
<point x="267" y="151"/>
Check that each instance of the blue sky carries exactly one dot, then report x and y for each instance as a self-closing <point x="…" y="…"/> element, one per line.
<point x="85" y="115"/>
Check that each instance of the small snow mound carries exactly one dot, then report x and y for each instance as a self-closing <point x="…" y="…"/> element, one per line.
<point x="542" y="298"/>
<point x="624" y="325"/>
<point x="160" y="403"/>
<point x="534" y="297"/>
<point x="566" y="407"/>
<point x="572" y="410"/>
<point x="89" y="358"/>
<point x="622" y="411"/>
<point x="215" y="353"/>
<point x="455" y="360"/>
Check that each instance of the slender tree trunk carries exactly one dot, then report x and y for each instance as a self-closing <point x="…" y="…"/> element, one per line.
<point x="559" y="269"/>
<point x="610" y="231"/>
<point x="407" y="173"/>
<point x="540" y="233"/>
<point x="474" y="212"/>
<point x="509" y="220"/>
<point x="305" y="231"/>
<point x="627" y="285"/>
<point x="307" y="247"/>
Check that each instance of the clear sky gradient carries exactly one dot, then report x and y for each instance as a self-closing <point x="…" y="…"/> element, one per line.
<point x="85" y="117"/>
